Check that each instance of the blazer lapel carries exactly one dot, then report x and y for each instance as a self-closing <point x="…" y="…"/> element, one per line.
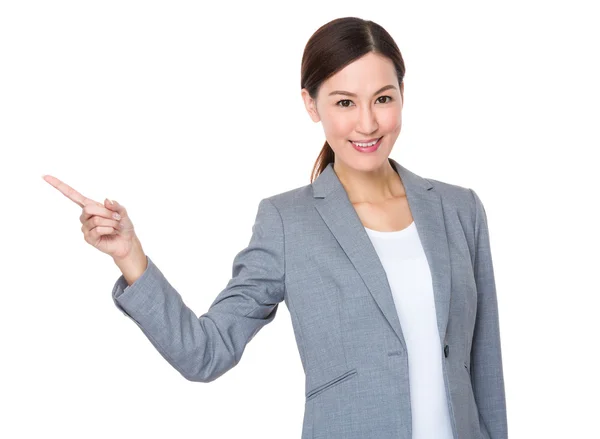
<point x="334" y="206"/>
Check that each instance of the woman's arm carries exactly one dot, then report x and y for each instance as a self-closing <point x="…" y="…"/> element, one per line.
<point x="204" y="348"/>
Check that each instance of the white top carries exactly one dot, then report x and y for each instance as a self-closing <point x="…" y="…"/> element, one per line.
<point x="407" y="270"/>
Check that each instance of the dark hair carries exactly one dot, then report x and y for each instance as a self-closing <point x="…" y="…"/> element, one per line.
<point x="331" y="48"/>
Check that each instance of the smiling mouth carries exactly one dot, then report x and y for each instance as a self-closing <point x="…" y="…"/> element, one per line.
<point x="368" y="142"/>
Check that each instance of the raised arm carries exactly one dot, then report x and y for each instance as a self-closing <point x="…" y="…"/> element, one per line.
<point x="204" y="348"/>
<point x="486" y="354"/>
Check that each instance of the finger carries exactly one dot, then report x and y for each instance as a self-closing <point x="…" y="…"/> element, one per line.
<point x="93" y="235"/>
<point x="102" y="230"/>
<point x="69" y="192"/>
<point x="97" y="221"/>
<point x="112" y="205"/>
<point x="91" y="210"/>
<point x="116" y="207"/>
<point x="109" y="204"/>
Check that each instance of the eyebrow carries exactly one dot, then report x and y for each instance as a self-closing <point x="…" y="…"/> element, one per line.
<point x="347" y="93"/>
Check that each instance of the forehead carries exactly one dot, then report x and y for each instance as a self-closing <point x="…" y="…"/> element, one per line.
<point x="363" y="76"/>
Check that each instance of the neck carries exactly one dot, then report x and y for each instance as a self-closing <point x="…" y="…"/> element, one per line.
<point x="375" y="186"/>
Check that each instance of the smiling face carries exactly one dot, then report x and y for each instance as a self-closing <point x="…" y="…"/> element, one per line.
<point x="361" y="102"/>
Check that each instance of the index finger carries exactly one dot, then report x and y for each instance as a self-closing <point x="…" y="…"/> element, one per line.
<point x="69" y="192"/>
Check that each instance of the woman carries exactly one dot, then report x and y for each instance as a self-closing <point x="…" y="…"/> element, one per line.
<point x="383" y="271"/>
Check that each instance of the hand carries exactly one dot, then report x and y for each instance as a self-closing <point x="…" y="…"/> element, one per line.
<point x="113" y="236"/>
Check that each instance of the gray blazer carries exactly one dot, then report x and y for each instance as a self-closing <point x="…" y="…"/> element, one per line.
<point x="309" y="248"/>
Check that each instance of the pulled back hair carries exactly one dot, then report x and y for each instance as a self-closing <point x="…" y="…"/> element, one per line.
<point x="331" y="48"/>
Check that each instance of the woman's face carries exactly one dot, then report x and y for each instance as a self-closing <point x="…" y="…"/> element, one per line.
<point x="353" y="105"/>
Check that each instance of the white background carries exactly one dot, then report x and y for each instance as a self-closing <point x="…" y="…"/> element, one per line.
<point x="189" y="114"/>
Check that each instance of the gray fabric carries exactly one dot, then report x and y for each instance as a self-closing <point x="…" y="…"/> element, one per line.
<point x="309" y="249"/>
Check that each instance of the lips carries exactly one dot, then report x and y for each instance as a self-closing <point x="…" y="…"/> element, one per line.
<point x="366" y="141"/>
<point x="368" y="149"/>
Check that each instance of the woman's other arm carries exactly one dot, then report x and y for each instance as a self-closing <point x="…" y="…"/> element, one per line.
<point x="486" y="354"/>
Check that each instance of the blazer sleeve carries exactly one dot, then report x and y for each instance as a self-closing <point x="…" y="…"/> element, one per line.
<point x="204" y="348"/>
<point x="486" y="354"/>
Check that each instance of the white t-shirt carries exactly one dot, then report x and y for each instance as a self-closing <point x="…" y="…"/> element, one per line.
<point x="407" y="270"/>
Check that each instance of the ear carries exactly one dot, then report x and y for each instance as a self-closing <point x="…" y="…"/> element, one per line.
<point x="311" y="106"/>
<point x="402" y="92"/>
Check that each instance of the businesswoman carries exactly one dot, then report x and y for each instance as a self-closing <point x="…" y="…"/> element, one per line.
<point x="388" y="276"/>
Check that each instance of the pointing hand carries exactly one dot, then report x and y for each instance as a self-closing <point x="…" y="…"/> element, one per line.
<point x="105" y="226"/>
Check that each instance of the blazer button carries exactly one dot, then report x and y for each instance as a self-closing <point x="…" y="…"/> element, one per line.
<point x="446" y="350"/>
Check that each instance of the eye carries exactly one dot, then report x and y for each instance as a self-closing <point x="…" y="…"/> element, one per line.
<point x="385" y="97"/>
<point x="343" y="100"/>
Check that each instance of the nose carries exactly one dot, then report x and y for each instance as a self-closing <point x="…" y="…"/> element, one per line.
<point x="367" y="121"/>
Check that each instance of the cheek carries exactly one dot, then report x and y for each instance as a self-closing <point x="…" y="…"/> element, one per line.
<point x="337" y="126"/>
<point x="391" y="122"/>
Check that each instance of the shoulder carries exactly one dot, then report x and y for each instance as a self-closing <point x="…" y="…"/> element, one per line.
<point x="296" y="198"/>
<point x="457" y="196"/>
<point x="453" y="196"/>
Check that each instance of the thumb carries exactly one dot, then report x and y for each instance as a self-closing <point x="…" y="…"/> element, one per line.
<point x="114" y="206"/>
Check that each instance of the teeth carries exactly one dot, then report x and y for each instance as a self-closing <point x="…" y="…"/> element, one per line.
<point x="364" y="145"/>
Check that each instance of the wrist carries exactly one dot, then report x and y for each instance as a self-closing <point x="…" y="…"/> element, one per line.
<point x="134" y="264"/>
